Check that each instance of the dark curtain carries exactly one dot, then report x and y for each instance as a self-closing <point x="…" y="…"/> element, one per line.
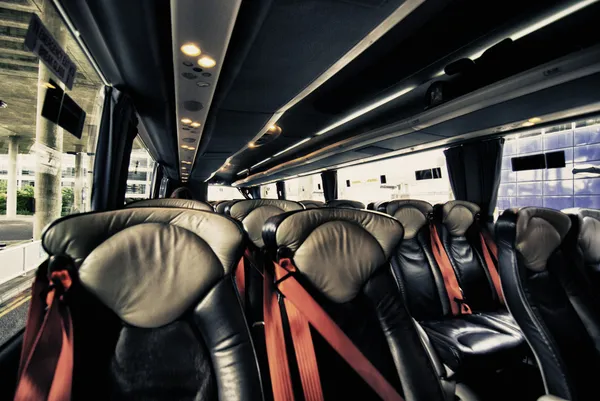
<point x="118" y="129"/>
<point x="474" y="171"/>
<point x="255" y="192"/>
<point x="199" y="189"/>
<point x="245" y="192"/>
<point x="280" y="189"/>
<point x="329" y="180"/>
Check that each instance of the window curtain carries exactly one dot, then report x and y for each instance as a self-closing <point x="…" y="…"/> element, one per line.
<point x="118" y="129"/>
<point x="280" y="189"/>
<point x="255" y="192"/>
<point x="329" y="180"/>
<point x="474" y="172"/>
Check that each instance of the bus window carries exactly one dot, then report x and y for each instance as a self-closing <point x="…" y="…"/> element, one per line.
<point x="268" y="191"/>
<point x="221" y="192"/>
<point x="421" y="176"/>
<point x="308" y="187"/>
<point x="577" y="184"/>
<point x="47" y="148"/>
<point x="140" y="173"/>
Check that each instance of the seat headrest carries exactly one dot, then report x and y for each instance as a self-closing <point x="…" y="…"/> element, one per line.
<point x="336" y="249"/>
<point x="253" y="214"/>
<point x="589" y="233"/>
<point x="312" y="204"/>
<point x="458" y="216"/>
<point x="345" y="203"/>
<point x="147" y="264"/>
<point x="410" y="212"/>
<point x="221" y="206"/>
<point x="172" y="202"/>
<point x="539" y="232"/>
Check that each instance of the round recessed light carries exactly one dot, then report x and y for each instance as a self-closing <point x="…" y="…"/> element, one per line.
<point x="190" y="49"/>
<point x="186" y="121"/>
<point x="206" y="62"/>
<point x="183" y="168"/>
<point x="251" y="145"/>
<point x="195" y="124"/>
<point x="203" y="84"/>
<point x="206" y="74"/>
<point x="187" y="64"/>
<point x="197" y="69"/>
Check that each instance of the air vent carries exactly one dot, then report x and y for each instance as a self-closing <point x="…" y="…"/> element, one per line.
<point x="189" y="75"/>
<point x="188" y="140"/>
<point x="192" y="105"/>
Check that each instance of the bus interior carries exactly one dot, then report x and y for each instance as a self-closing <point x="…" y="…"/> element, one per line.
<point x="299" y="200"/>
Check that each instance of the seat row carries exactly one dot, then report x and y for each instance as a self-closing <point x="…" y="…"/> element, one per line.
<point x="159" y="305"/>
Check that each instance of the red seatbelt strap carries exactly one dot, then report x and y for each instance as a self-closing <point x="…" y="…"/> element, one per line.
<point x="490" y="255"/>
<point x="46" y="366"/>
<point x="455" y="293"/>
<point x="240" y="280"/>
<point x="307" y="307"/>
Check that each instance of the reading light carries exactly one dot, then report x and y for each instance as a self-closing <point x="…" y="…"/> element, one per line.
<point x="206" y="62"/>
<point x="527" y="124"/>
<point x="251" y="145"/>
<point x="190" y="49"/>
<point x="259" y="163"/>
<point x="186" y="121"/>
<point x="195" y="124"/>
<point x="292" y="147"/>
<point x="535" y="120"/>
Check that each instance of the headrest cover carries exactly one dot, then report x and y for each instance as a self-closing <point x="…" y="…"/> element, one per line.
<point x="589" y="233"/>
<point x="172" y="202"/>
<point x="254" y="213"/>
<point x="336" y="249"/>
<point x="78" y="235"/>
<point x="312" y="204"/>
<point x="151" y="273"/>
<point x="540" y="232"/>
<point x="346" y="203"/>
<point x="458" y="216"/>
<point x="411" y="213"/>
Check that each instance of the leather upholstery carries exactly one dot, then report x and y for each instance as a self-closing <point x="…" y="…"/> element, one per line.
<point x="312" y="204"/>
<point x="588" y="241"/>
<point x="156" y="314"/>
<point x="352" y="204"/>
<point x="458" y="216"/>
<point x="253" y="214"/>
<point x="172" y="202"/>
<point x="467" y="343"/>
<point x="223" y="205"/>
<point x="550" y="299"/>
<point x="358" y="294"/>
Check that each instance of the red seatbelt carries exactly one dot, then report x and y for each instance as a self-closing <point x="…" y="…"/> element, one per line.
<point x="455" y="293"/>
<point x="240" y="280"/>
<point x="46" y="366"/>
<point x="490" y="255"/>
<point x="307" y="309"/>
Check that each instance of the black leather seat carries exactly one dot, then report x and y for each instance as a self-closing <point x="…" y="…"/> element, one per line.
<point x="488" y="340"/>
<point x="172" y="202"/>
<point x="312" y="204"/>
<point x="351" y="204"/>
<point x="222" y="206"/>
<point x="343" y="260"/>
<point x="545" y="257"/>
<point x="154" y="305"/>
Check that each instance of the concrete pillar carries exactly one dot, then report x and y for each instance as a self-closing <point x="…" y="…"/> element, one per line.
<point x="11" y="188"/>
<point x="48" y="195"/>
<point x="79" y="181"/>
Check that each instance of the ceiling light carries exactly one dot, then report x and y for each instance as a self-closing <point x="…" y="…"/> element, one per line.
<point x="259" y="163"/>
<point x="535" y="120"/>
<point x="190" y="148"/>
<point x="183" y="168"/>
<point x="206" y="62"/>
<point x="203" y="84"/>
<point x="366" y="109"/>
<point x="527" y="124"/>
<point x="242" y="172"/>
<point x="190" y="49"/>
<point x="186" y="162"/>
<point x="273" y="127"/>
<point x="195" y="124"/>
<point x="48" y="85"/>
<point x="251" y="145"/>
<point x="186" y="121"/>
<point x="292" y="147"/>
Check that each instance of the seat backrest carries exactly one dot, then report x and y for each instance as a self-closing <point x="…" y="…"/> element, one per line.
<point x="587" y="250"/>
<point x="312" y="204"/>
<point x="456" y="223"/>
<point x="549" y="299"/>
<point x="172" y="202"/>
<point x="343" y="260"/>
<point x="416" y="271"/>
<point x="253" y="213"/>
<point x="154" y="304"/>
<point x="352" y="204"/>
<point x="222" y="205"/>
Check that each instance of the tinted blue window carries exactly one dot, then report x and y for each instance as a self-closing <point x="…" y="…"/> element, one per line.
<point x="585" y="186"/>
<point x="507" y="190"/>
<point x="529" y="201"/>
<point x="559" y="173"/>
<point x="558" y="140"/>
<point x="506" y="203"/>
<point x="588" y="201"/>
<point x="529" y="188"/>
<point x="532" y="144"/>
<point x="508" y="176"/>
<point x="587" y="153"/>
<point x="587" y="135"/>
<point x="530" y="175"/>
<point x="510" y="148"/>
<point x="558" y="202"/>
<point x="564" y="187"/>
<point x="506" y="164"/>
